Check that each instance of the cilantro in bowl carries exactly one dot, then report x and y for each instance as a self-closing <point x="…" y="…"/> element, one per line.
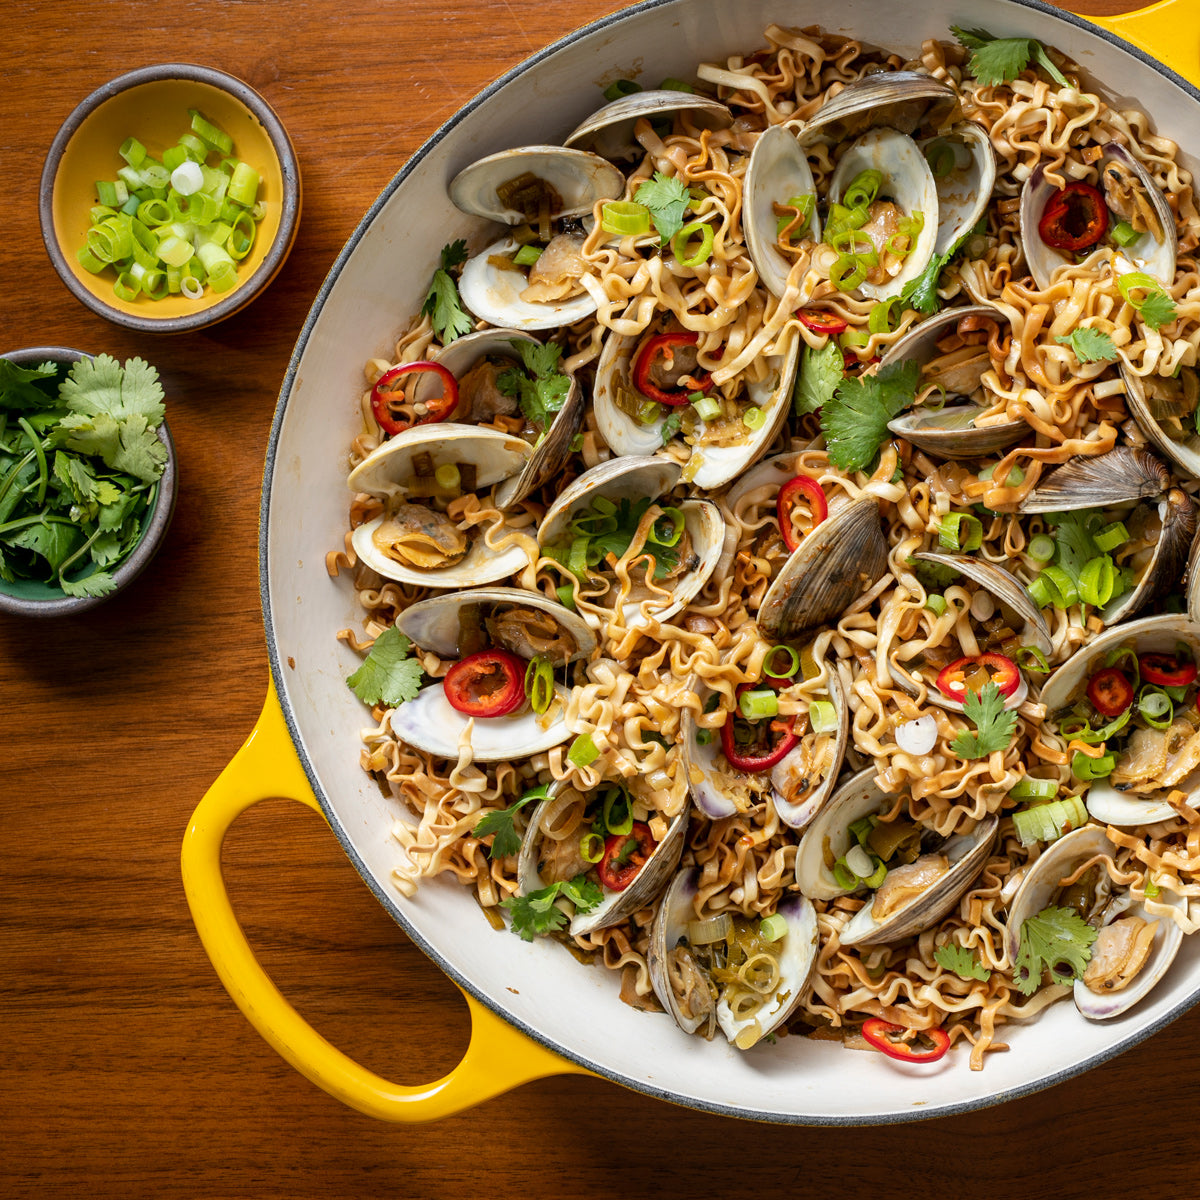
<point x="80" y="464"/>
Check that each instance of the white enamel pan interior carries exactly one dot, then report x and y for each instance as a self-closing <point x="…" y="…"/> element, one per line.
<point x="377" y="283"/>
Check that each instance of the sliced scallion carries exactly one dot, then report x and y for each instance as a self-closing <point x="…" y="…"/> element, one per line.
<point x="624" y="217"/>
<point x="1030" y="788"/>
<point x="822" y="716"/>
<point x="788" y="669"/>
<point x="679" y="244"/>
<point x="1123" y="234"/>
<point x="1041" y="548"/>
<point x="961" y="532"/>
<point x="754" y="418"/>
<point x="773" y="927"/>
<point x="936" y="604"/>
<point x="758" y="704"/>
<point x="1111" y="536"/>
<point x="708" y="408"/>
<point x="583" y="751"/>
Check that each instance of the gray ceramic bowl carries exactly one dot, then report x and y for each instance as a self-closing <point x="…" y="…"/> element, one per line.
<point x="32" y="598"/>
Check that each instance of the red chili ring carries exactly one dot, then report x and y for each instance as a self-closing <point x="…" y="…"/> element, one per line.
<point x="664" y="344"/>
<point x="381" y="397"/>
<point x="1075" y="218"/>
<point x="1007" y="675"/>
<point x="876" y="1030"/>
<point x="784" y="726"/>
<point x="822" y="322"/>
<point x="1110" y="692"/>
<point x="618" y="876"/>
<point x="501" y="673"/>
<point x="786" y="501"/>
<point x="1166" y="670"/>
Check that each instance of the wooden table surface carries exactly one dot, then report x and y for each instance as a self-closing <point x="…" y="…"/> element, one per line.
<point x="125" y="1069"/>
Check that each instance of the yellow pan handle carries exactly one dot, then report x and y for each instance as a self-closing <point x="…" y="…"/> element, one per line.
<point x="498" y="1057"/>
<point x="1168" y="31"/>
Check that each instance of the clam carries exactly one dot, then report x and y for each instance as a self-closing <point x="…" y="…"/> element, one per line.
<point x="471" y="361"/>
<point x="544" y="860"/>
<point x="778" y="172"/>
<point x="611" y="130"/>
<point x="499" y="292"/>
<point x="903" y="100"/>
<point x="416" y="543"/>
<point x="951" y="432"/>
<point x="1132" y="195"/>
<point x="907" y="183"/>
<point x="915" y="893"/>
<point x="965" y="186"/>
<point x="837" y="562"/>
<point x="529" y="184"/>
<point x="1126" y="798"/>
<point x="526" y="623"/>
<point x="798" y="784"/>
<point x="630" y="480"/>
<point x="1124" y="474"/>
<point x="1012" y="601"/>
<point x="1165" y="409"/>
<point x="723" y="449"/>
<point x="1133" y="949"/>
<point x="681" y="974"/>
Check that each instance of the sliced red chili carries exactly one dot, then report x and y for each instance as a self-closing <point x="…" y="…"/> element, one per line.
<point x="821" y="322"/>
<point x="793" y="490"/>
<point x="1110" y="692"/>
<point x="964" y="673"/>
<point x="761" y="744"/>
<point x="383" y="395"/>
<point x="1074" y="218"/>
<point x="898" y="1042"/>
<point x="1167" y="670"/>
<point x="659" y="353"/>
<point x="624" y="856"/>
<point x="488" y="684"/>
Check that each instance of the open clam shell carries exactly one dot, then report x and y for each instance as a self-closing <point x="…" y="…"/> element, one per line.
<point x="836" y="563"/>
<point x="390" y="470"/>
<point x="552" y="450"/>
<point x="951" y="432"/>
<point x="829" y="837"/>
<point x="778" y="170"/>
<point x="1009" y="593"/>
<point x="797" y="960"/>
<point x="1150" y="634"/>
<point x="1135" y="198"/>
<point x="903" y="100"/>
<point x="492" y="291"/>
<point x="430" y="723"/>
<point x="1124" y="474"/>
<point x="1166" y="406"/>
<point x="965" y="189"/>
<point x="720" y="791"/>
<point x="635" y="479"/>
<point x="610" y="130"/>
<point x="1154" y="256"/>
<point x="572" y="182"/>
<point x="908" y="181"/>
<point x="616" y="907"/>
<point x="450" y="625"/>
<point x="710" y="466"/>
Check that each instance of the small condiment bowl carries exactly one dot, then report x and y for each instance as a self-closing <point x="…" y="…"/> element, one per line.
<point x="33" y="598"/>
<point x="152" y="104"/>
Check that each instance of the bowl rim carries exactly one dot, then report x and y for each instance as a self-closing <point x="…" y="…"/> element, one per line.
<point x="280" y="678"/>
<point x="152" y="536"/>
<point x="289" y="166"/>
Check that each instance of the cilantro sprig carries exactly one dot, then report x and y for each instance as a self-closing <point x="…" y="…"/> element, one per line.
<point x="541" y="389"/>
<point x="79" y="465"/>
<point x="667" y="199"/>
<point x="961" y="961"/>
<point x="442" y="303"/>
<point x="1090" y="345"/>
<point x="821" y="372"/>
<point x="994" y="724"/>
<point x="387" y="674"/>
<point x="921" y="293"/>
<point x="1000" y="60"/>
<point x="536" y="913"/>
<point x="501" y="822"/>
<point x="1158" y="309"/>
<point x="1057" y="940"/>
<point x="855" y="419"/>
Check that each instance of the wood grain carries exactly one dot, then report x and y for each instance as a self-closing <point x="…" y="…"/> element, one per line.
<point x="126" y="1069"/>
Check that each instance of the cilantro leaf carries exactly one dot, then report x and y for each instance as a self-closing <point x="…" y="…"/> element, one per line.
<point x="99" y="583"/>
<point x="1158" y="309"/>
<point x="1057" y="939"/>
<point x="442" y="303"/>
<point x="820" y="373"/>
<point x="961" y="961"/>
<point x="129" y="444"/>
<point x="1090" y="345"/>
<point x="921" y="293"/>
<point x="536" y="913"/>
<point x="19" y="386"/>
<point x="1074" y="545"/>
<point x="541" y="389"/>
<point x="102" y="387"/>
<point x="672" y="424"/>
<point x="994" y="724"/>
<point x="500" y="822"/>
<point x="387" y="674"/>
<point x="855" y="420"/>
<point x="667" y="199"/>
<point x="1000" y="60"/>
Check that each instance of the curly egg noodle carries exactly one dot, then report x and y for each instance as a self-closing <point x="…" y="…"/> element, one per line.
<point x="631" y="695"/>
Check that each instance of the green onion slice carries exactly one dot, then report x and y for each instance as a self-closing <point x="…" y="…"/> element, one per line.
<point x="1030" y="788"/>
<point x="961" y="532"/>
<point x="617" y="814"/>
<point x="679" y="244"/>
<point x="1111" y="536"/>
<point x="1087" y="768"/>
<point x="936" y="604"/>
<point x="539" y="683"/>
<point x="1123" y="234"/>
<point x="788" y="670"/>
<point x="822" y="716"/>
<point x="583" y="751"/>
<point x="624" y="217"/>
<point x="758" y="704"/>
<point x="591" y="847"/>
<point x="773" y="927"/>
<point x="1041" y="548"/>
<point x="754" y="418"/>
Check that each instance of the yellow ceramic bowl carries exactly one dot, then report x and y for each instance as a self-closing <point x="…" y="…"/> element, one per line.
<point x="152" y="105"/>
